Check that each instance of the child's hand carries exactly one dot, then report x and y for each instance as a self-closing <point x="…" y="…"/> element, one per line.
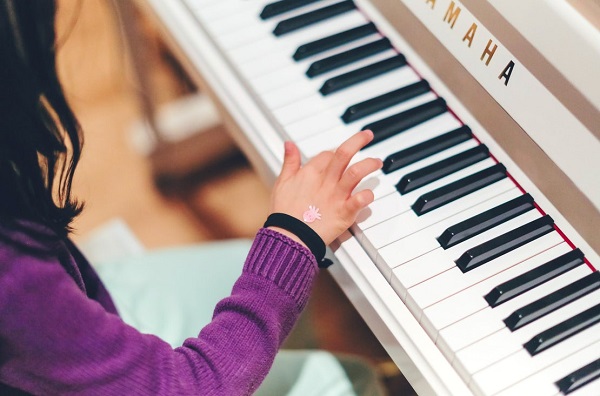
<point x="325" y="183"/>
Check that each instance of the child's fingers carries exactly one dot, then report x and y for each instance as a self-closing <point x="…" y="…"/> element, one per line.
<point x="357" y="172"/>
<point x="291" y="160"/>
<point x="358" y="202"/>
<point x="345" y="152"/>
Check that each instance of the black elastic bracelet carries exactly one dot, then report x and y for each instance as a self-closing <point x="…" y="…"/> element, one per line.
<point x="311" y="239"/>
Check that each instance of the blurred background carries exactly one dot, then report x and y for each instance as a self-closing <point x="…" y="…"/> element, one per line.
<point x="177" y="193"/>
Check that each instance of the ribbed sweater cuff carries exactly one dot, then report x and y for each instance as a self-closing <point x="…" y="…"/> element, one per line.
<point x="291" y="266"/>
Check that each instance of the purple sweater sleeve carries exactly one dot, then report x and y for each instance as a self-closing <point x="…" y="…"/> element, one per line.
<point x="56" y="340"/>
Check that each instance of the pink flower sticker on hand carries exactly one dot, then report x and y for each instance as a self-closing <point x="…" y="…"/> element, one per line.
<point x="311" y="214"/>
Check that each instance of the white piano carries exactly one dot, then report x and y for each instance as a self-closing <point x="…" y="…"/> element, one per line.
<point x="477" y="265"/>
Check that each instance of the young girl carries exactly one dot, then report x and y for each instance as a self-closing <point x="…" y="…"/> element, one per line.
<point x="60" y="332"/>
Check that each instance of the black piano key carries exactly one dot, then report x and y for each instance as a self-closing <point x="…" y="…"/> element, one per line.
<point x="453" y="191"/>
<point x="353" y="55"/>
<point x="433" y="172"/>
<point x="353" y="77"/>
<point x="300" y="21"/>
<point x="533" y="278"/>
<point x="496" y="247"/>
<point x="484" y="221"/>
<point x="422" y="150"/>
<point x="563" y="330"/>
<point x="368" y="107"/>
<point x="282" y="6"/>
<point x="553" y="301"/>
<point x="400" y="122"/>
<point x="579" y="378"/>
<point x="335" y="40"/>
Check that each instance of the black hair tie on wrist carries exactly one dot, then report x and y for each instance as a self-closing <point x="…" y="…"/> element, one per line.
<point x="311" y="239"/>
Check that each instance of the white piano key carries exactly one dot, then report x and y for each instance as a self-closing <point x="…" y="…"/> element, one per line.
<point x="503" y="343"/>
<point x="383" y="152"/>
<point x="434" y="127"/>
<point x="392" y="232"/>
<point x="396" y="254"/>
<point x="316" y="103"/>
<point x="387" y="182"/>
<point x="213" y="12"/>
<point x="263" y="48"/>
<point x="294" y="91"/>
<point x="195" y="4"/>
<point x="463" y="336"/>
<point x="433" y="223"/>
<point x="470" y="300"/>
<point x="427" y="130"/>
<point x="296" y="70"/>
<point x="409" y="224"/>
<point x="482" y="338"/>
<point x="542" y="382"/>
<point x="238" y="23"/>
<point x="248" y="34"/>
<point x="385" y="229"/>
<point x="202" y="4"/>
<point x="239" y="31"/>
<point x="454" y="280"/>
<point x="435" y="261"/>
<point x="277" y="69"/>
<point x="591" y="389"/>
<point x="289" y="43"/>
<point x="330" y="119"/>
<point x="520" y="365"/>
<point x="379" y="211"/>
<point x="302" y="88"/>
<point x="377" y="214"/>
<point x="268" y="73"/>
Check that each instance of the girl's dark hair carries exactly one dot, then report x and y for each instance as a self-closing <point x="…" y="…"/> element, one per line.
<point x="40" y="138"/>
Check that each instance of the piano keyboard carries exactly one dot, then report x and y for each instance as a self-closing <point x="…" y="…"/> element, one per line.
<point x="512" y="304"/>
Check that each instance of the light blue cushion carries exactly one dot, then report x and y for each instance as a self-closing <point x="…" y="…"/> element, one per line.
<point x="172" y="293"/>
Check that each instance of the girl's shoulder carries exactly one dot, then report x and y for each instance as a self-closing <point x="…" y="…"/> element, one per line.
<point x="27" y="236"/>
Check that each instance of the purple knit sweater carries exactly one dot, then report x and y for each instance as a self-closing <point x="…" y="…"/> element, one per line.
<point x="60" y="332"/>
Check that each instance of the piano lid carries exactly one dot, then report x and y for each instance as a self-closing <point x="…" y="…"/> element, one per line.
<point x="566" y="35"/>
<point x="589" y="9"/>
<point x="539" y="61"/>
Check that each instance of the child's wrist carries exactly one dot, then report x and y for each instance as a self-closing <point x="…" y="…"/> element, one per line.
<point x="288" y="234"/>
<point x="301" y="231"/>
